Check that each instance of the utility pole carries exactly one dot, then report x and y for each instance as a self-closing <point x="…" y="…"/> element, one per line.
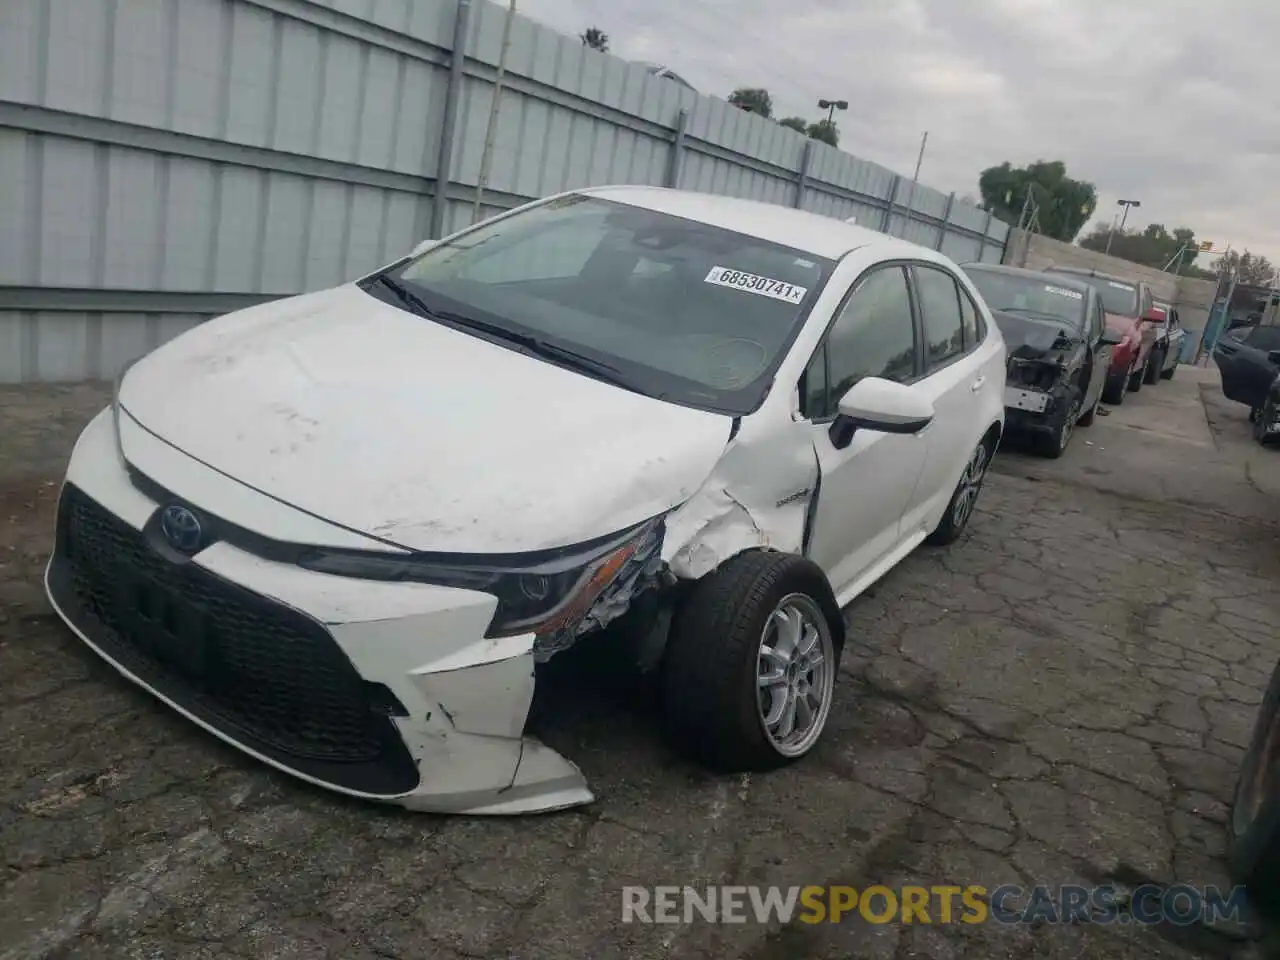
<point x="487" y="156"/>
<point x="1026" y="205"/>
<point x="1177" y="257"/>
<point x="911" y="197"/>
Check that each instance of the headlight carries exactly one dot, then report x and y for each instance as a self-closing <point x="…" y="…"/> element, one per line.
<point x="537" y="593"/>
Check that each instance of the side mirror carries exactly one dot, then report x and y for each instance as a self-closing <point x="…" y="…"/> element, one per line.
<point x="876" y="404"/>
<point x="1274" y="356"/>
<point x="1110" y="338"/>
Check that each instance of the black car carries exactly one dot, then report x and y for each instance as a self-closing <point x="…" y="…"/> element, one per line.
<point x="1254" y="851"/>
<point x="1059" y="347"/>
<point x="1266" y="422"/>
<point x="1249" y="359"/>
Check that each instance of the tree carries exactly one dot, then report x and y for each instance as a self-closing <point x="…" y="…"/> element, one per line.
<point x="1251" y="269"/>
<point x="753" y="100"/>
<point x="825" y="131"/>
<point x="1152" y="247"/>
<point x="1065" y="205"/>
<point x="595" y="38"/>
<point x="798" y="124"/>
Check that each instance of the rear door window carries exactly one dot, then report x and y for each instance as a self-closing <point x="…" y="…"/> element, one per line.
<point x="940" y="310"/>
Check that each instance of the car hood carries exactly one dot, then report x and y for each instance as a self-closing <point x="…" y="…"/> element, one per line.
<point x="1030" y="339"/>
<point x="405" y="429"/>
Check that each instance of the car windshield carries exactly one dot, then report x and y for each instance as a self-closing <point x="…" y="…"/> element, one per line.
<point x="1032" y="298"/>
<point x="668" y="307"/>
<point x="1117" y="296"/>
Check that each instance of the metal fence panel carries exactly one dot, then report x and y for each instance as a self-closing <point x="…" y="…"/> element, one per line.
<point x="169" y="160"/>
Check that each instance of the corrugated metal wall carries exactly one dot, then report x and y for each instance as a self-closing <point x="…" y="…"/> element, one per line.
<point x="163" y="161"/>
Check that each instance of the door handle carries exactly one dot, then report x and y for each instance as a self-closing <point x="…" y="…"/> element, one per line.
<point x="977" y="384"/>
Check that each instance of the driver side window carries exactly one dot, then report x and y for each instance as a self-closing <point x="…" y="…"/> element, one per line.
<point x="873" y="336"/>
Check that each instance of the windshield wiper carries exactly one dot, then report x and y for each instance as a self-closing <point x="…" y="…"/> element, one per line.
<point x="565" y="356"/>
<point x="402" y="293"/>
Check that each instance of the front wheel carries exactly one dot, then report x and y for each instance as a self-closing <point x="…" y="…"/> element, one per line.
<point x="1168" y="374"/>
<point x="1263" y="422"/>
<point x="1113" y="392"/>
<point x="749" y="670"/>
<point x="965" y="497"/>
<point x="1135" y="379"/>
<point x="1155" y="363"/>
<point x="1088" y="419"/>
<point x="1054" y="444"/>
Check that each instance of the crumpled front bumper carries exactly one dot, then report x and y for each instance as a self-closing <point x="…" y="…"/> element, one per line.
<point x="1032" y="402"/>
<point x="452" y="720"/>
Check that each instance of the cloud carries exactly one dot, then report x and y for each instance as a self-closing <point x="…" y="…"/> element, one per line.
<point x="1162" y="100"/>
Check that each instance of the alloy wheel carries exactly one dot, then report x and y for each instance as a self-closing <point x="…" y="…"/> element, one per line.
<point x="970" y="485"/>
<point x="795" y="674"/>
<point x="1069" y="425"/>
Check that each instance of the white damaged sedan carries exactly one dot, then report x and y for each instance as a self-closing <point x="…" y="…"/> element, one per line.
<point x="339" y="530"/>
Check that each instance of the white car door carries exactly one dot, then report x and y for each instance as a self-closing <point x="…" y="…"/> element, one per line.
<point x="868" y="478"/>
<point x="958" y="384"/>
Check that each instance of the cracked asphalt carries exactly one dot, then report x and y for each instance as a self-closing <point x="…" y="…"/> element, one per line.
<point x="1061" y="697"/>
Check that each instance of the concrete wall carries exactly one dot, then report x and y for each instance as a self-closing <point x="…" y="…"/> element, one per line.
<point x="1192" y="297"/>
<point x="169" y="160"/>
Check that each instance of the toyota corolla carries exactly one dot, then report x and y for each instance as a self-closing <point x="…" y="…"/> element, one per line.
<point x="340" y="530"/>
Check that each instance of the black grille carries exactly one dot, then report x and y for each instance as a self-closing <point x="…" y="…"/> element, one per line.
<point x="264" y="674"/>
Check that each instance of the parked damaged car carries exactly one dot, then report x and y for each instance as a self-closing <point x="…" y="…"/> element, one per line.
<point x="1131" y="315"/>
<point x="1266" y="422"/>
<point x="1170" y="340"/>
<point x="340" y="530"/>
<point x="1253" y="852"/>
<point x="1248" y="360"/>
<point x="1059" y="350"/>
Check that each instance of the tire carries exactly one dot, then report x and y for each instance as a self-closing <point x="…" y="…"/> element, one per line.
<point x="1154" y="364"/>
<point x="1114" y="390"/>
<point x="1264" y="418"/>
<point x="959" y="510"/>
<point x="1054" y="445"/>
<point x="1254" y="850"/>
<point x="1168" y="374"/>
<point x="1087" y="419"/>
<point x="1135" y="379"/>
<point x="711" y="673"/>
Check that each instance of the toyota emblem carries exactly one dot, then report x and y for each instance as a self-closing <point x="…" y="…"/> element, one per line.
<point x="181" y="527"/>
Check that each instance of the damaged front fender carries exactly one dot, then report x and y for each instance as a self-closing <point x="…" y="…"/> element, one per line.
<point x="757" y="496"/>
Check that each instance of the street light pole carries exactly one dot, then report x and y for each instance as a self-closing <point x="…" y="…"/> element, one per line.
<point x="1126" y="204"/>
<point x="831" y="106"/>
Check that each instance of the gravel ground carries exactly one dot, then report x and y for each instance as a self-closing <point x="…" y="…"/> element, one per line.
<point x="1061" y="697"/>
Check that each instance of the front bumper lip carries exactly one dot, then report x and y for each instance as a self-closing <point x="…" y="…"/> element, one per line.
<point x="466" y="699"/>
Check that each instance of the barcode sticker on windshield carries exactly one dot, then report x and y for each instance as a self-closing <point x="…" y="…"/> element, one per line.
<point x="1063" y="292"/>
<point x="763" y="286"/>
<point x="1120" y="286"/>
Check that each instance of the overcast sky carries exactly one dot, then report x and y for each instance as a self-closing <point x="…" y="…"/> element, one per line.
<point x="1170" y="102"/>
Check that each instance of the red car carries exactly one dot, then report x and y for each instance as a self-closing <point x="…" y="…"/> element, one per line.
<point x="1130" y="314"/>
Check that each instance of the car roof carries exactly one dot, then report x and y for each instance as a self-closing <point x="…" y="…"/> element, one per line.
<point x="1091" y="272"/>
<point x="812" y="233"/>
<point x="1079" y="286"/>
